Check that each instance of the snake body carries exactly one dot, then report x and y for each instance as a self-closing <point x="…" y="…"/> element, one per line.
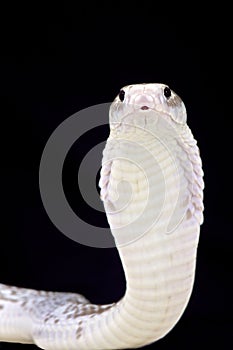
<point x="152" y="189"/>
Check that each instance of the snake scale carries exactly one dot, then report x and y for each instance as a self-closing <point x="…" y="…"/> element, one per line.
<point x="152" y="190"/>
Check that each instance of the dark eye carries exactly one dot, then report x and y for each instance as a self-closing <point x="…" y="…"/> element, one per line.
<point x="122" y="95"/>
<point x="167" y="92"/>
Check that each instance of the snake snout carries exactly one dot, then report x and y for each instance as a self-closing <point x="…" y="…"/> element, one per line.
<point x="144" y="101"/>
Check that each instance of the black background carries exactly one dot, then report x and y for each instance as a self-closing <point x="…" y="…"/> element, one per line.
<point x="56" y="61"/>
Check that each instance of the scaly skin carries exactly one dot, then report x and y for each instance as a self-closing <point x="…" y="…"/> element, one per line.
<point x="152" y="189"/>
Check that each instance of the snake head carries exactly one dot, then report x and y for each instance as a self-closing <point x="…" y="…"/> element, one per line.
<point x="144" y="98"/>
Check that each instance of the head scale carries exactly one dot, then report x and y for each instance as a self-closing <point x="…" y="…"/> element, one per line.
<point x="145" y="98"/>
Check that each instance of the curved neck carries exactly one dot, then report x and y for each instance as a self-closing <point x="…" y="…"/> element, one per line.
<point x="158" y="289"/>
<point x="159" y="266"/>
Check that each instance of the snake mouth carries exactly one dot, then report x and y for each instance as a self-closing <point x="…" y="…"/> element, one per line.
<point x="144" y="108"/>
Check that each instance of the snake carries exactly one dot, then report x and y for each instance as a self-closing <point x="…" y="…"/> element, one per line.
<point x="151" y="185"/>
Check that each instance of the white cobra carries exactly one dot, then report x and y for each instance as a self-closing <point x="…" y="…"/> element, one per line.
<point x="152" y="189"/>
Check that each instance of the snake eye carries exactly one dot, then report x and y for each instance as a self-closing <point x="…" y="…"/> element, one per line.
<point x="167" y="92"/>
<point x="122" y="95"/>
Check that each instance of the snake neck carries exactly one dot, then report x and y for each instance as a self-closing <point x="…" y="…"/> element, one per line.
<point x="159" y="279"/>
<point x="157" y="233"/>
